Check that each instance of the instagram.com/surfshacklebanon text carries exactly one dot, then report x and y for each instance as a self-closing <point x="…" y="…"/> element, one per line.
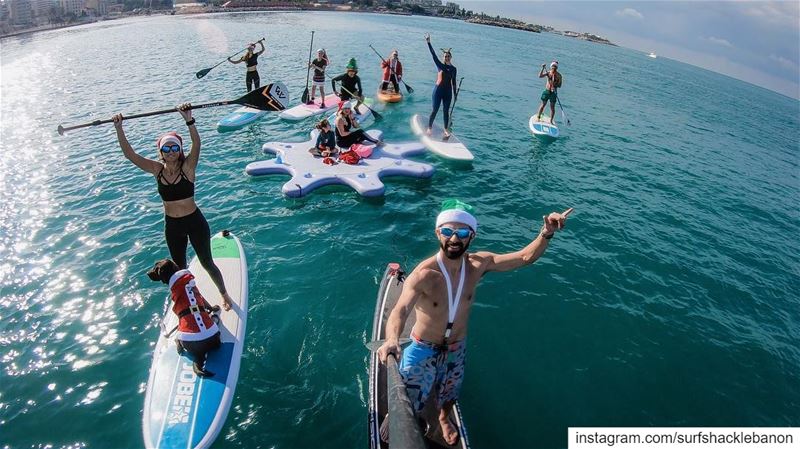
<point x="683" y="437"/>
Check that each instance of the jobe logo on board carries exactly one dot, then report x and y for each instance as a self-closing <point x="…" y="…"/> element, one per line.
<point x="181" y="407"/>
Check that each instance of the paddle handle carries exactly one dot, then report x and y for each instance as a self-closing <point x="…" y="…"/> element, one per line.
<point x="376" y="52"/>
<point x="453" y="107"/>
<point x="62" y="129"/>
<point x="375" y="113"/>
<point x="310" y="49"/>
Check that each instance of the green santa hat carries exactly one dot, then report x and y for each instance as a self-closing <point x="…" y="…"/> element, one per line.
<point x="457" y="211"/>
<point x="352" y="65"/>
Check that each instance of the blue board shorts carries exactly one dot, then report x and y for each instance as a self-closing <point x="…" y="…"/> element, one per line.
<point x="426" y="364"/>
<point x="547" y="95"/>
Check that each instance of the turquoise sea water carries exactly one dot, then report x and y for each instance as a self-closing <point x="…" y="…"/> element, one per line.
<point x="671" y="299"/>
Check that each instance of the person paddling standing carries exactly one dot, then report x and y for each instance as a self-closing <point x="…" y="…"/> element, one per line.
<point x="351" y="84"/>
<point x="319" y="64"/>
<point x="550" y="92"/>
<point x="445" y="87"/>
<point x="175" y="176"/>
<point x="392" y="72"/>
<point x="441" y="290"/>
<point x="250" y="57"/>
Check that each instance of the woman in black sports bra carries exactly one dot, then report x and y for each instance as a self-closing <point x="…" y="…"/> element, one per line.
<point x="175" y="174"/>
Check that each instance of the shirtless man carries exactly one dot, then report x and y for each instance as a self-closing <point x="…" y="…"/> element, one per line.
<point x="441" y="290"/>
<point x="550" y="92"/>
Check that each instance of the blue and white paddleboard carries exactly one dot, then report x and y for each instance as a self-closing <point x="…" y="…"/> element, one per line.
<point x="182" y="410"/>
<point x="240" y="118"/>
<point x="542" y="127"/>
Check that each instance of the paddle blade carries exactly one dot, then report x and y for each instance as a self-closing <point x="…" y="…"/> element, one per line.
<point x="378" y="117"/>
<point x="202" y="73"/>
<point x="304" y="98"/>
<point x="272" y="97"/>
<point x="408" y="88"/>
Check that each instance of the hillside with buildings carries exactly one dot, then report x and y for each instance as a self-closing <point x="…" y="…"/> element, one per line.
<point x="23" y="16"/>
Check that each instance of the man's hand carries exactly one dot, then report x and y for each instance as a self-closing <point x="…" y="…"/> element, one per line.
<point x="389" y="347"/>
<point x="554" y="222"/>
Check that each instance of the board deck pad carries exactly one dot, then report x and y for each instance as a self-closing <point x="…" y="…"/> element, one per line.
<point x="542" y="127"/>
<point x="304" y="111"/>
<point x="181" y="409"/>
<point x="388" y="294"/>
<point x="389" y="96"/>
<point x="451" y="148"/>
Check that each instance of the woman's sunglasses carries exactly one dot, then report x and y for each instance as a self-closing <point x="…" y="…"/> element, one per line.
<point x="171" y="148"/>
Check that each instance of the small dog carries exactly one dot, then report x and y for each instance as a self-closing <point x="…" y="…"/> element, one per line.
<point x="163" y="271"/>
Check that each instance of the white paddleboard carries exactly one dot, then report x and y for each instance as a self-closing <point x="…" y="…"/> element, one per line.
<point x="182" y="410"/>
<point x="303" y="111"/>
<point x="240" y="118"/>
<point x="542" y="127"/>
<point x="452" y="148"/>
<point x="365" y="118"/>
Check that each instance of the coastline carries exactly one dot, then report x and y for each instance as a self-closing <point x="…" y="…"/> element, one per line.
<point x="196" y="8"/>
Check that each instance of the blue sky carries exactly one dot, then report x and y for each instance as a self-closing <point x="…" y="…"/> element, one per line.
<point x="755" y="41"/>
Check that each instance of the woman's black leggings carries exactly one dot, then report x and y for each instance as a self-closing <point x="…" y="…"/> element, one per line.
<point x="354" y="137"/>
<point x="192" y="228"/>
<point x="252" y="79"/>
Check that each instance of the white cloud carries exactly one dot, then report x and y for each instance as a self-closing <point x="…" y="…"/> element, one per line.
<point x="775" y="13"/>
<point x="630" y="12"/>
<point x="719" y="41"/>
<point x="785" y="63"/>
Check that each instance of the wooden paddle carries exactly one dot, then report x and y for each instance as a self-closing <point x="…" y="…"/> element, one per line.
<point x="204" y="72"/>
<point x="304" y="98"/>
<point x="408" y="88"/>
<point x="272" y="97"/>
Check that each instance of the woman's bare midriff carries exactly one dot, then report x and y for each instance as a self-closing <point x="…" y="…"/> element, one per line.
<point x="180" y="208"/>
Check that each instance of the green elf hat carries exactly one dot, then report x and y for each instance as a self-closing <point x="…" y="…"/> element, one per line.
<point x="352" y="65"/>
<point x="457" y="211"/>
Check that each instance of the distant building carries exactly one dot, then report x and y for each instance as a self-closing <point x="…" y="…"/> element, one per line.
<point x="40" y="10"/>
<point x="72" y="7"/>
<point x="422" y="3"/>
<point x="21" y="12"/>
<point x="96" y="7"/>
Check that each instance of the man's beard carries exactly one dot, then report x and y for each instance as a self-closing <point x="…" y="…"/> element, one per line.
<point x="453" y="250"/>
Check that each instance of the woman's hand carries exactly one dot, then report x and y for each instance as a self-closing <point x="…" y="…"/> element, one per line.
<point x="428" y="38"/>
<point x="185" y="111"/>
<point x="117" y="118"/>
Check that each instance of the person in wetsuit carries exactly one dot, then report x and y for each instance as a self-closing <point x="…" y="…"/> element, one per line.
<point x="250" y="57"/>
<point x="351" y="84"/>
<point x="175" y="175"/>
<point x="445" y="87"/>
